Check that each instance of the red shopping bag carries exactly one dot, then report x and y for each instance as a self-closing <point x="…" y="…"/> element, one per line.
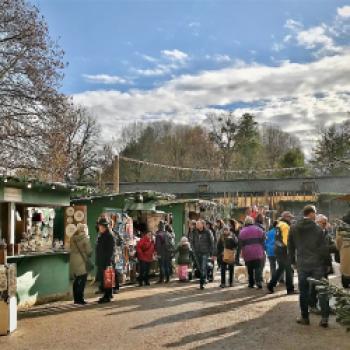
<point x="183" y="272"/>
<point x="109" y="278"/>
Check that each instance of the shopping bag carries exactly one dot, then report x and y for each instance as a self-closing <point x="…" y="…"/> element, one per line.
<point x="182" y="272"/>
<point x="109" y="278"/>
<point x="229" y="256"/>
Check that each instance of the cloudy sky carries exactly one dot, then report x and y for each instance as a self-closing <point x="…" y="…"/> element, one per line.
<point x="288" y="62"/>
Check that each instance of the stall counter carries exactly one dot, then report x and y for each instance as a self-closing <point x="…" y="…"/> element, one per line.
<point x="41" y="277"/>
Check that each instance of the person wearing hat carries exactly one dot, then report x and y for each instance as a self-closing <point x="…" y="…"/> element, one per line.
<point x="284" y="263"/>
<point x="343" y="245"/>
<point x="308" y="249"/>
<point x="104" y="256"/>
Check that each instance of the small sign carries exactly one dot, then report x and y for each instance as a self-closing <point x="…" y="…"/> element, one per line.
<point x="13" y="195"/>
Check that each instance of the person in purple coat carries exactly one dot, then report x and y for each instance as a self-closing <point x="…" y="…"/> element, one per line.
<point x="251" y="239"/>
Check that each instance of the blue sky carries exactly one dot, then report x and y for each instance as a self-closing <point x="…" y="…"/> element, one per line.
<point x="285" y="61"/>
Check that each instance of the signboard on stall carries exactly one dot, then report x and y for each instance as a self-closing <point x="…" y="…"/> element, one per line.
<point x="13" y="195"/>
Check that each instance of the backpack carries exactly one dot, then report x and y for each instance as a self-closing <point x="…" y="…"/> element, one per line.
<point x="280" y="247"/>
<point x="169" y="242"/>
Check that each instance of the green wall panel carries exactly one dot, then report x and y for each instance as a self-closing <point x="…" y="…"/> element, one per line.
<point x="41" y="277"/>
<point x="178" y="211"/>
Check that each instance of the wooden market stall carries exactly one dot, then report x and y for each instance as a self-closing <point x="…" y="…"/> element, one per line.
<point x="137" y="212"/>
<point x="184" y="210"/>
<point x="27" y="226"/>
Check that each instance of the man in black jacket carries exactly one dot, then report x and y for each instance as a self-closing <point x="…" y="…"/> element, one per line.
<point x="203" y="247"/>
<point x="104" y="255"/>
<point x="307" y="248"/>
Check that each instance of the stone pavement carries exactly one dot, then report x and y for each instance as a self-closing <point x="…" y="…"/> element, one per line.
<point x="175" y="316"/>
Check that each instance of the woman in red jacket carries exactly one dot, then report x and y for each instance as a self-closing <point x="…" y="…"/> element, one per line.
<point x="145" y="254"/>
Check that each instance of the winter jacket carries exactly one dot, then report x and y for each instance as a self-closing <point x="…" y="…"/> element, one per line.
<point x="284" y="228"/>
<point x="145" y="249"/>
<point x="251" y="238"/>
<point x="184" y="253"/>
<point x="307" y="245"/>
<point x="105" y="250"/>
<point x="343" y="245"/>
<point x="79" y="241"/>
<point x="203" y="242"/>
<point x="270" y="242"/>
<point x="229" y="242"/>
<point x="165" y="244"/>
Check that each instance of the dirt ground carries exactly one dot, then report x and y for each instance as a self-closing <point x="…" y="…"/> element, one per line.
<point x="176" y="316"/>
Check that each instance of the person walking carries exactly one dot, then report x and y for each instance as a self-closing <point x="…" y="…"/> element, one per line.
<point x="165" y="248"/>
<point x="252" y="238"/>
<point x="284" y="263"/>
<point x="145" y="253"/>
<point x="308" y="249"/>
<point x="270" y="248"/>
<point x="343" y="245"/>
<point x="226" y="246"/>
<point x="184" y="258"/>
<point x="80" y="264"/>
<point x="203" y="246"/>
<point x="104" y="256"/>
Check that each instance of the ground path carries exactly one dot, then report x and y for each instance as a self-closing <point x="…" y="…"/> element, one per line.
<point x="176" y="316"/>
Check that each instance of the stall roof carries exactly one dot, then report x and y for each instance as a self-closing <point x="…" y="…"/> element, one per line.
<point x="184" y="201"/>
<point x="33" y="192"/>
<point x="345" y="198"/>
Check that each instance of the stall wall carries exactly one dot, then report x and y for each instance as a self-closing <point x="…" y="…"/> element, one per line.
<point x="178" y="211"/>
<point x="41" y="278"/>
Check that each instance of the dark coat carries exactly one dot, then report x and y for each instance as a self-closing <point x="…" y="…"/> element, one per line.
<point x="164" y="245"/>
<point x="228" y="242"/>
<point x="184" y="252"/>
<point x="105" y="250"/>
<point x="203" y="242"/>
<point x="307" y="245"/>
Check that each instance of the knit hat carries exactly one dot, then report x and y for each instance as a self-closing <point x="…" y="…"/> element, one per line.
<point x="103" y="222"/>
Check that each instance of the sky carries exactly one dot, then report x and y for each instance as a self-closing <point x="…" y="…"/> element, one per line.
<point x="287" y="62"/>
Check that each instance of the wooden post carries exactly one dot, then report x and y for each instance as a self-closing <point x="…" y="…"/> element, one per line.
<point x="116" y="174"/>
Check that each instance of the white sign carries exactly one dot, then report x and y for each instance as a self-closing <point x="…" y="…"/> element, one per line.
<point x="12" y="194"/>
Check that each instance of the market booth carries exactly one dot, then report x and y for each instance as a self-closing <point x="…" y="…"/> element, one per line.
<point x="28" y="239"/>
<point x="137" y="213"/>
<point x="184" y="210"/>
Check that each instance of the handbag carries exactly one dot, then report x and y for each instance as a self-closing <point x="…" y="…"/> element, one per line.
<point x="109" y="278"/>
<point x="88" y="264"/>
<point x="228" y="256"/>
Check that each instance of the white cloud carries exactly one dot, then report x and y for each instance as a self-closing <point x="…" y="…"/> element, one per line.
<point x="175" y="55"/>
<point x="298" y="97"/>
<point x="105" y="79"/>
<point x="220" y="58"/>
<point x="344" y="11"/>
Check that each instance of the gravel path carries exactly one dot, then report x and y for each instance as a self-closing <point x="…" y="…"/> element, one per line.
<point x="176" y="316"/>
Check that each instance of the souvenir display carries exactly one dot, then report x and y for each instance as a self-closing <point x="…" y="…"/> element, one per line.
<point x="70" y="220"/>
<point x="3" y="278"/>
<point x="70" y="230"/>
<point x="12" y="279"/>
<point x="70" y="211"/>
<point x="79" y="216"/>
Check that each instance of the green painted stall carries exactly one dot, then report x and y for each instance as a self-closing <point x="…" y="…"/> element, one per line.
<point x="41" y="277"/>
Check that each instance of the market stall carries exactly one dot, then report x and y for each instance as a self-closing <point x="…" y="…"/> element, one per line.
<point x="184" y="210"/>
<point x="136" y="212"/>
<point x="29" y="239"/>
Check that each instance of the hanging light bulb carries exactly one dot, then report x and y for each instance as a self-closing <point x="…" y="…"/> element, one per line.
<point x="29" y="185"/>
<point x="5" y="179"/>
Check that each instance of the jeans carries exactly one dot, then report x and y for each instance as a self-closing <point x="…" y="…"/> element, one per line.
<point x="79" y="287"/>
<point x="224" y="267"/>
<point x="165" y="268"/>
<point x="308" y="294"/>
<point x="284" y="265"/>
<point x="144" y="272"/>
<point x="254" y="272"/>
<point x="202" y="260"/>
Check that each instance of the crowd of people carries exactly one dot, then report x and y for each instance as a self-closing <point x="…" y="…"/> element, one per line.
<point x="307" y="246"/>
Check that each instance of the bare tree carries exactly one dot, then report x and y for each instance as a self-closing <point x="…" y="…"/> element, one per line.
<point x="30" y="72"/>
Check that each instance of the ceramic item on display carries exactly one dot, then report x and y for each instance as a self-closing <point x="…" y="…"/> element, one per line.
<point x="70" y="220"/>
<point x="70" y="211"/>
<point x="79" y="216"/>
<point x="70" y="230"/>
